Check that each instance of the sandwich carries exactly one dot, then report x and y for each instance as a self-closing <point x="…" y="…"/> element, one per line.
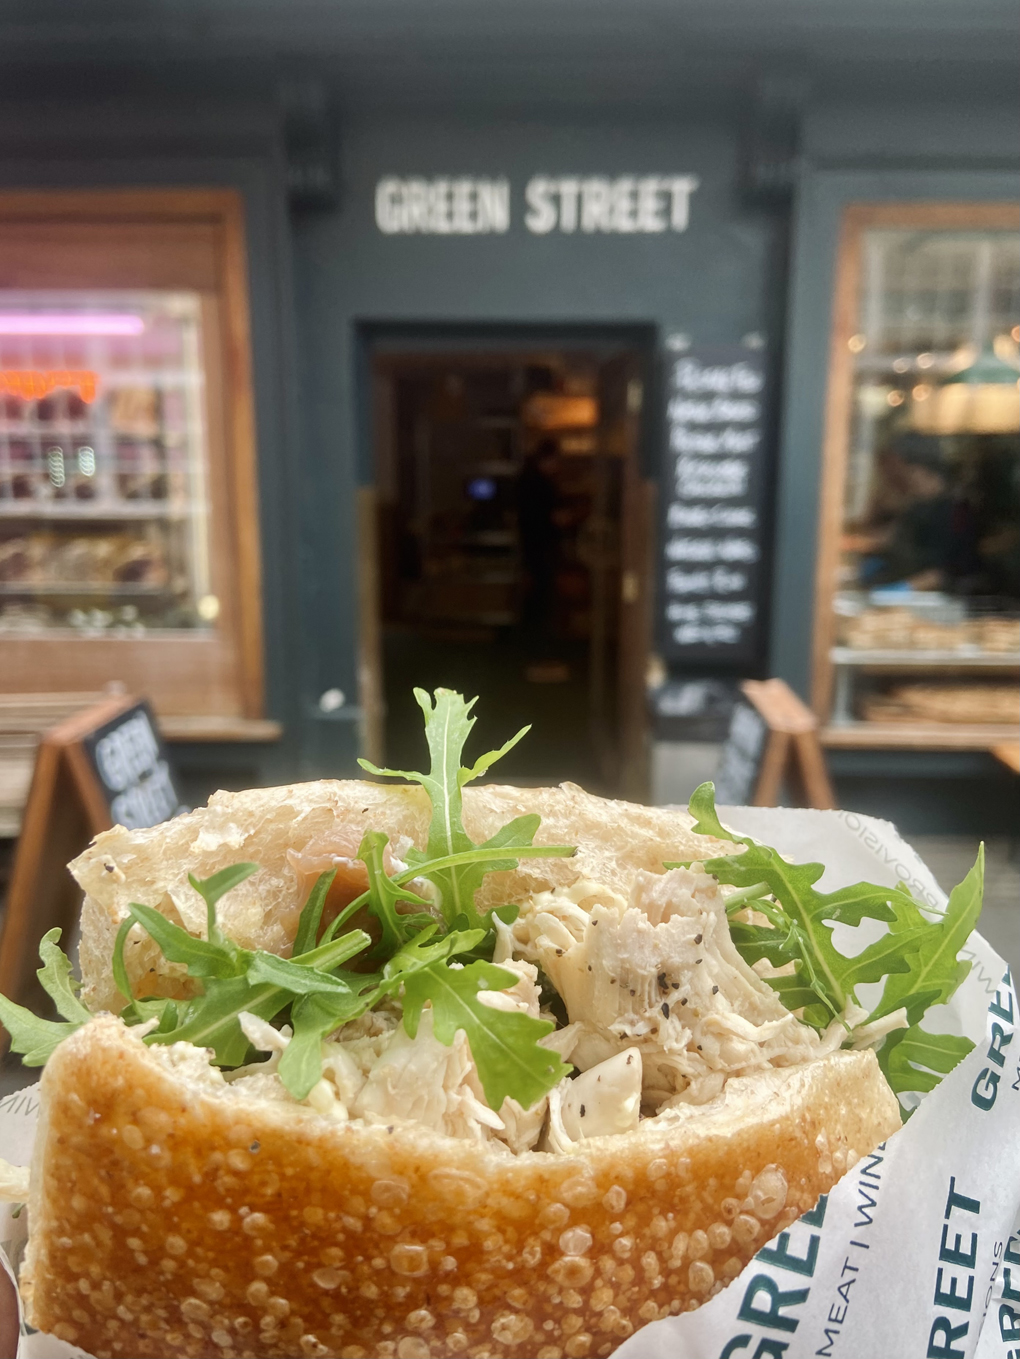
<point x="411" y="1069"/>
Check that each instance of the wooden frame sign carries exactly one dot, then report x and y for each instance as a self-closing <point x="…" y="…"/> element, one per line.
<point x="104" y="765"/>
<point x="773" y="737"/>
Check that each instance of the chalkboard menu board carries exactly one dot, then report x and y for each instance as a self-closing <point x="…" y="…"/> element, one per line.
<point x="772" y="744"/>
<point x="740" y="759"/>
<point x="131" y="764"/>
<point x="102" y="765"/>
<point x="712" y="580"/>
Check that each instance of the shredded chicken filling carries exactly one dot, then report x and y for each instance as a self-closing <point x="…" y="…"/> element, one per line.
<point x="662" y="1012"/>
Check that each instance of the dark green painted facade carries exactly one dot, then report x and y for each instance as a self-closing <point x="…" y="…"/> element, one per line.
<point x="784" y="114"/>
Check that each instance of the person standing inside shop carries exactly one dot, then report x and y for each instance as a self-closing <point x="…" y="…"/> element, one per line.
<point x="539" y="537"/>
<point x="930" y="543"/>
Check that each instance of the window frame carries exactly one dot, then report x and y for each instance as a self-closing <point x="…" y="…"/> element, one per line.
<point x="214" y="216"/>
<point x="856" y="219"/>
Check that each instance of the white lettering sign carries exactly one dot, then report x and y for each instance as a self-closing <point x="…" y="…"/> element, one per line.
<point x="713" y="412"/>
<point x="148" y="802"/>
<point x="683" y="439"/>
<point x="127" y="753"/>
<point x="442" y="207"/>
<point x="707" y="634"/>
<point x="679" y="549"/>
<point x="712" y="610"/>
<point x="711" y="548"/>
<point x="719" y="582"/>
<point x="626" y="205"/>
<point x="703" y="478"/>
<point x="712" y="517"/>
<point x="593" y="204"/>
<point x="723" y="379"/>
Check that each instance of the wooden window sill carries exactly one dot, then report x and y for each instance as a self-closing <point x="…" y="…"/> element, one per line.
<point x="258" y="729"/>
<point x="916" y="736"/>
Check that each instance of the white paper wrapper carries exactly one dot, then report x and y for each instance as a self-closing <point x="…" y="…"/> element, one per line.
<point x="911" y="1255"/>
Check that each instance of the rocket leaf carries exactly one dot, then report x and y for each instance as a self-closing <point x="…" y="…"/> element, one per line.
<point x="448" y="724"/>
<point x="935" y="971"/>
<point x="801" y="917"/>
<point x="211" y="1020"/>
<point x="35" y="1038"/>
<point x="202" y="957"/>
<point x="299" y="980"/>
<point x="918" y="957"/>
<point x="211" y="889"/>
<point x="57" y="981"/>
<point x="504" y="1044"/>
<point x="913" y="1060"/>
<point x="311" y="914"/>
<point x="313" y="1017"/>
<point x="385" y="896"/>
<point x="31" y="1036"/>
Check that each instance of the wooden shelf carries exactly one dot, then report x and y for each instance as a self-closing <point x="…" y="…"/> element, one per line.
<point x="102" y="588"/>
<point x="259" y="729"/>
<point x="917" y="735"/>
<point x="27" y="716"/>
<point x="904" y="659"/>
<point x="73" y="510"/>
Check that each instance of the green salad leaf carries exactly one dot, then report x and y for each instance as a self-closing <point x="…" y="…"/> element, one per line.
<point x="212" y="888"/>
<point x="56" y="979"/>
<point x="313" y="1017"/>
<point x="37" y="1038"/>
<point x="918" y="957"/>
<point x="233" y="980"/>
<point x="913" y="1060"/>
<point x="448" y="724"/>
<point x="385" y="897"/>
<point x="936" y="970"/>
<point x="504" y="1044"/>
<point x="311" y="914"/>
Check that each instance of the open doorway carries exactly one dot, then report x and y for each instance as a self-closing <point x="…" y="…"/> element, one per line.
<point x="509" y="542"/>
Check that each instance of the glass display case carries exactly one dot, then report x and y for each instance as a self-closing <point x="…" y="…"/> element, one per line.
<point x="917" y="636"/>
<point x="129" y="544"/>
<point x="104" y="502"/>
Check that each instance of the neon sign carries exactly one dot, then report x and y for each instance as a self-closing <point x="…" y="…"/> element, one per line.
<point x="32" y="384"/>
<point x="70" y="323"/>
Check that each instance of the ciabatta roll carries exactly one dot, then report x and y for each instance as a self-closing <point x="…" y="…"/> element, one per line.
<point x="177" y="1209"/>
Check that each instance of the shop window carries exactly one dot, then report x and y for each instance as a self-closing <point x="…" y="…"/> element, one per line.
<point x="128" y="531"/>
<point x="918" y="618"/>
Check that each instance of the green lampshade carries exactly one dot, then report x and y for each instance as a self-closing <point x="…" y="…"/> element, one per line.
<point x="987" y="369"/>
<point x="982" y="398"/>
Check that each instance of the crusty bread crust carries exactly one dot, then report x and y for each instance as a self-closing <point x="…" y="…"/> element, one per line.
<point x="613" y="839"/>
<point x="173" y="1216"/>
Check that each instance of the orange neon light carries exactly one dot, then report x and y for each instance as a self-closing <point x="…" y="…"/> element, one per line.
<point x="32" y="384"/>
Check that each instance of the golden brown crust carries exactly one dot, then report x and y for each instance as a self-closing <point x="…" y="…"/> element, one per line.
<point x="613" y="839"/>
<point x="172" y="1216"/>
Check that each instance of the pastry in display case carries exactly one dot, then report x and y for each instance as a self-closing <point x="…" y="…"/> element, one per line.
<point x="104" y="504"/>
<point x="918" y="616"/>
<point x="966" y="703"/>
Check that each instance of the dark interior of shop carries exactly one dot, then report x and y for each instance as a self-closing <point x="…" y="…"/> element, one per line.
<point x="500" y="497"/>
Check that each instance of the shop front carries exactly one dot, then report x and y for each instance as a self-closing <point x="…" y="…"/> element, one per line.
<point x="563" y="412"/>
<point x="531" y="321"/>
<point x="902" y="450"/>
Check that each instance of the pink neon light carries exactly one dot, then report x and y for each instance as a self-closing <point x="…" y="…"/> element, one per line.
<point x="69" y="323"/>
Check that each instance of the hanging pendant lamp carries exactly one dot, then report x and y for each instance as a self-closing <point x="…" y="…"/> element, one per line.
<point x="983" y="398"/>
